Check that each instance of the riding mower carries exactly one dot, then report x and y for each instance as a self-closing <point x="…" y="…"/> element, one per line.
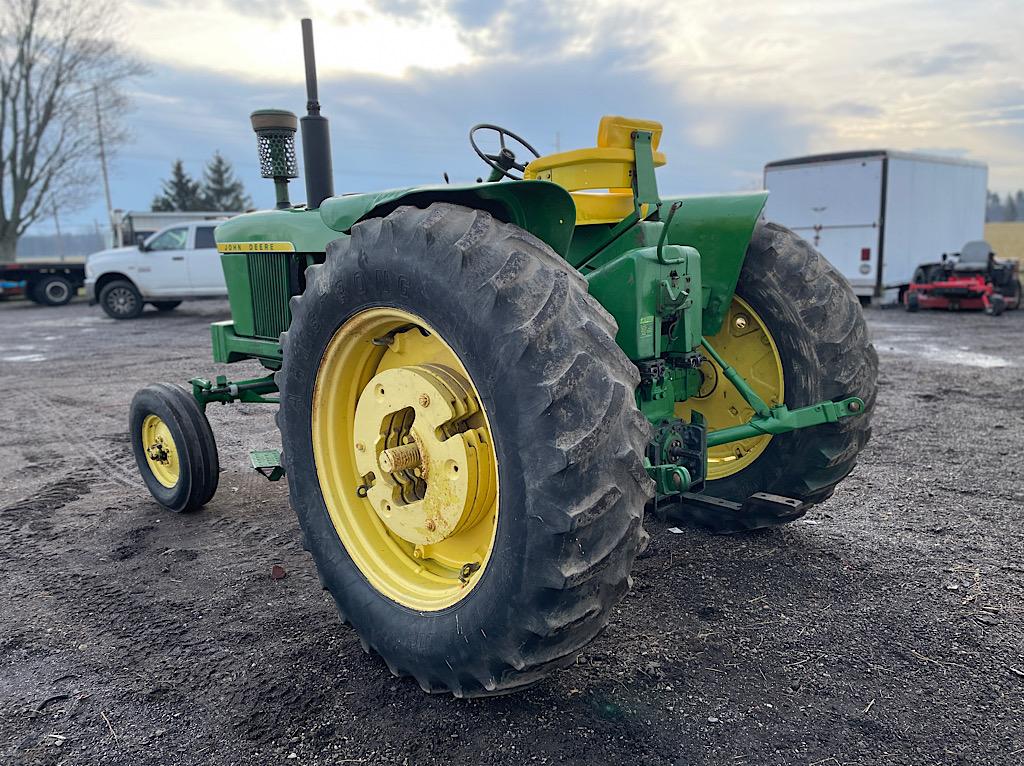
<point x="970" y="279"/>
<point x="482" y="387"/>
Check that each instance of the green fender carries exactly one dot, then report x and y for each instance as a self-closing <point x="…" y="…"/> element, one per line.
<point x="542" y="208"/>
<point x="720" y="227"/>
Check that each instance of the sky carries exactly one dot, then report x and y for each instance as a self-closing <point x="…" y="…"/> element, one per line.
<point x="735" y="84"/>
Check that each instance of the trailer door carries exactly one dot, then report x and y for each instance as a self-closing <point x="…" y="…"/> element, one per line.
<point x="836" y="206"/>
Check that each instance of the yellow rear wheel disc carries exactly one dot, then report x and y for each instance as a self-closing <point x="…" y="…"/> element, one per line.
<point x="405" y="459"/>
<point x="746" y="344"/>
<point x="161" y="451"/>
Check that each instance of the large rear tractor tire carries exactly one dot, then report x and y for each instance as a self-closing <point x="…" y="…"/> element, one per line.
<point x="174" y="447"/>
<point x="463" y="448"/>
<point x="797" y="333"/>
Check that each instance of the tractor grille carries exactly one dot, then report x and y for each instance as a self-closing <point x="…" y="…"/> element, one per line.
<point x="269" y="280"/>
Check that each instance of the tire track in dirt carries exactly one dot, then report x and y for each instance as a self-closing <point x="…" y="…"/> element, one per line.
<point x="174" y="656"/>
<point x="111" y="456"/>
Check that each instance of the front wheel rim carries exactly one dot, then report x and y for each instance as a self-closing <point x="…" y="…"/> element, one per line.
<point x="56" y="291"/>
<point x="121" y="300"/>
<point x="405" y="460"/>
<point x="160" y="450"/>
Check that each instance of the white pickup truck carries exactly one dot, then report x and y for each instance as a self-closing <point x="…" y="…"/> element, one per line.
<point x="177" y="263"/>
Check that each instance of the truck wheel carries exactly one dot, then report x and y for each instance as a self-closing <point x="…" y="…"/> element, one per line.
<point x="796" y="332"/>
<point x="165" y="305"/>
<point x="121" y="300"/>
<point x="174" y="447"/>
<point x="913" y="303"/>
<point x="53" y="290"/>
<point x="463" y="448"/>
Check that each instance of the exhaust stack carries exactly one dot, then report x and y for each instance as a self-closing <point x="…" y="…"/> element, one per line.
<point x="316" y="137"/>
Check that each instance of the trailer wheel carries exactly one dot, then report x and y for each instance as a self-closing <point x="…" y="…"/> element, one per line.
<point x="165" y="305"/>
<point x="796" y="332"/>
<point x="53" y="290"/>
<point x="463" y="448"/>
<point x="174" y="447"/>
<point x="913" y="302"/>
<point x="121" y="300"/>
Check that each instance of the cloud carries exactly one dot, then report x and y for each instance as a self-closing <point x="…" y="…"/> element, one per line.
<point x="736" y="84"/>
<point x="855" y="109"/>
<point x="255" y="40"/>
<point x="955" y="59"/>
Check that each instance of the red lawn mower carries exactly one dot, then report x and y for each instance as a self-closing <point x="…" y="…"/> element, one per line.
<point x="971" y="279"/>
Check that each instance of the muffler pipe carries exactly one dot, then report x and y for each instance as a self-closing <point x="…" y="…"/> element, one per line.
<point x="316" y="137"/>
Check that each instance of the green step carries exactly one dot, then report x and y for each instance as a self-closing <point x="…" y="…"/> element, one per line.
<point x="268" y="463"/>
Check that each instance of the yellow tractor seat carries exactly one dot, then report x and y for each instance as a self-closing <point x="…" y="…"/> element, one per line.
<point x="606" y="168"/>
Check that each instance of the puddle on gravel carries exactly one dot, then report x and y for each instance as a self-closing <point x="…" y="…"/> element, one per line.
<point x="23" y="358"/>
<point x="934" y="353"/>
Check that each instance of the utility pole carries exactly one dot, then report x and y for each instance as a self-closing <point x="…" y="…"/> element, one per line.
<point x="103" y="156"/>
<point x="56" y="225"/>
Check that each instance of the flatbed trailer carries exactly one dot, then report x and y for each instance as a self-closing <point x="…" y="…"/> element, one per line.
<point x="49" y="283"/>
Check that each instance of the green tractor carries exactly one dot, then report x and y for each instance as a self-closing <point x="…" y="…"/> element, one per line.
<point x="482" y="387"/>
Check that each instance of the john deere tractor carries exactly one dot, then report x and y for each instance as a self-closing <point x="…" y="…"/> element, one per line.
<point x="481" y="387"/>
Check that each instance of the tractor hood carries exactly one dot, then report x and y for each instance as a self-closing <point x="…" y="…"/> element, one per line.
<point x="542" y="208"/>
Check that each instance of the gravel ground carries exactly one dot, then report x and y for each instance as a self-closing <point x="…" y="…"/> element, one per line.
<point x="887" y="626"/>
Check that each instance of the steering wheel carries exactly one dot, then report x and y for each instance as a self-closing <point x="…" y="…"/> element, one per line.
<point x="505" y="160"/>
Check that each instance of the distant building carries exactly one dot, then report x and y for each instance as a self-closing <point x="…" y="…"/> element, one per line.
<point x="50" y="247"/>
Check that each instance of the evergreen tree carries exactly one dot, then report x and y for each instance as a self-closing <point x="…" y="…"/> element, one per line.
<point x="181" y="192"/>
<point x="1010" y="210"/>
<point x="993" y="207"/>
<point x="221" y="190"/>
<point x="1019" y="202"/>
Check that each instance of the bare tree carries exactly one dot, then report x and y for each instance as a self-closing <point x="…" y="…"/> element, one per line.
<point x="57" y="59"/>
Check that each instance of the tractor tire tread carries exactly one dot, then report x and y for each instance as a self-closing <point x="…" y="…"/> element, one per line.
<point x="582" y="465"/>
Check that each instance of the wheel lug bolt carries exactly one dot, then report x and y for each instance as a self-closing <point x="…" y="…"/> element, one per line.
<point x="424" y="400"/>
<point x="431" y="525"/>
<point x="740" y="322"/>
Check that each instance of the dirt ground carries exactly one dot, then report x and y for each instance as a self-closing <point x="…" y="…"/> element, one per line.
<point x="887" y="627"/>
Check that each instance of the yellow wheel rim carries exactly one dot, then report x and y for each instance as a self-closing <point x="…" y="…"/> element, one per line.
<point x="161" y="452"/>
<point x="405" y="459"/>
<point x="746" y="344"/>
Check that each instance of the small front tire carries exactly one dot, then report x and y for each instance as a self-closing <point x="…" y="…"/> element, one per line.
<point x="121" y="299"/>
<point x="174" y="447"/>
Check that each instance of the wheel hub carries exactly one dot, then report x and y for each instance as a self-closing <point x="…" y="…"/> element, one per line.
<point x="161" y="452"/>
<point x="422" y="466"/>
<point x="56" y="291"/>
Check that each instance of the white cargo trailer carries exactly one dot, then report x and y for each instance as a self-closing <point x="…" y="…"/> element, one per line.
<point x="877" y="214"/>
